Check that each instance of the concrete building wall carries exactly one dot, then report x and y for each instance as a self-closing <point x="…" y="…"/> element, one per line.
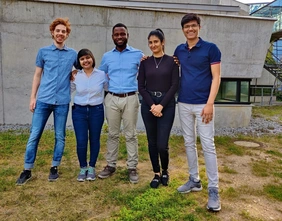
<point x="1" y="80"/>
<point x="232" y="116"/>
<point x="244" y="8"/>
<point x="265" y="79"/>
<point x="230" y="7"/>
<point x="25" y="28"/>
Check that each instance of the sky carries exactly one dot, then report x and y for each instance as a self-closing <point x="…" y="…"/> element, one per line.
<point x="253" y="1"/>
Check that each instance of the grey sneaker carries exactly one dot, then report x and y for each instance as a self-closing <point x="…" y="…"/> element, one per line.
<point x="191" y="185"/>
<point x="133" y="175"/>
<point x="214" y="201"/>
<point x="53" y="176"/>
<point x="91" y="174"/>
<point x="82" y="174"/>
<point x="108" y="171"/>
<point x="24" y="177"/>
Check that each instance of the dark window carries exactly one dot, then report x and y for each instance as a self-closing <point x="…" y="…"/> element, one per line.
<point x="236" y="91"/>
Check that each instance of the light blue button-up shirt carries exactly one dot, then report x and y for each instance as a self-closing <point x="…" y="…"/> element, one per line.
<point x="57" y="64"/>
<point x="122" y="68"/>
<point x="89" y="90"/>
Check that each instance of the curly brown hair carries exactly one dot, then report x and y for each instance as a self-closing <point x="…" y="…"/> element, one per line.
<point x="60" y="21"/>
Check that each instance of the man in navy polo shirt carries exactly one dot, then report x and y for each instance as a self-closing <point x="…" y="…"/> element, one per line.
<point x="200" y="80"/>
<point x="50" y="93"/>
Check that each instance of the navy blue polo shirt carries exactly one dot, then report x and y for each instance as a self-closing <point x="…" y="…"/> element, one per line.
<point x="196" y="76"/>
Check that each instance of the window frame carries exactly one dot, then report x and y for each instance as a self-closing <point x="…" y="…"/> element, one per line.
<point x="238" y="82"/>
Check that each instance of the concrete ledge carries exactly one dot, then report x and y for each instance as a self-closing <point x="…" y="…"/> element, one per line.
<point x="226" y="115"/>
<point x="230" y="115"/>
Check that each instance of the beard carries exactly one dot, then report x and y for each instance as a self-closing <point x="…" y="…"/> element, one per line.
<point x="123" y="45"/>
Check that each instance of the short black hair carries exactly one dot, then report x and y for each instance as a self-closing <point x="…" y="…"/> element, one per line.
<point x="190" y="17"/>
<point x="84" y="52"/>
<point x="118" y="25"/>
<point x="158" y="33"/>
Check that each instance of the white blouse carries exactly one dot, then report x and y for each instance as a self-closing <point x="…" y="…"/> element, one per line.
<point x="89" y="90"/>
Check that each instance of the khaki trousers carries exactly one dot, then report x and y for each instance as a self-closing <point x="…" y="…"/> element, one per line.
<point x="122" y="110"/>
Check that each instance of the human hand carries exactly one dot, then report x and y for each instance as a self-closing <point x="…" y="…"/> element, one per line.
<point x="73" y="74"/>
<point x="207" y="113"/>
<point x="32" y="104"/>
<point x="145" y="57"/>
<point x="176" y="60"/>
<point x="157" y="110"/>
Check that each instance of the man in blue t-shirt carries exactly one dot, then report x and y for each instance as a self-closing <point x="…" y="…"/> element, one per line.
<point x="200" y="80"/>
<point x="50" y="93"/>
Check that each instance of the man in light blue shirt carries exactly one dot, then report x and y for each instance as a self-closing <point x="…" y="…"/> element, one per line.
<point x="121" y="103"/>
<point x="50" y="93"/>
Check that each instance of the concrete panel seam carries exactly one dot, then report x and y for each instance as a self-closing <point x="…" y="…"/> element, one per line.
<point x="107" y="24"/>
<point x="1" y="79"/>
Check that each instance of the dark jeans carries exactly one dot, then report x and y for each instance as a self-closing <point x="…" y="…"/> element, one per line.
<point x="158" y="132"/>
<point x="87" y="122"/>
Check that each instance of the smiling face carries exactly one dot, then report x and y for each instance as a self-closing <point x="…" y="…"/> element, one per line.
<point x="86" y="62"/>
<point x="120" y="37"/>
<point x="155" y="45"/>
<point x="60" y="34"/>
<point x="191" y="30"/>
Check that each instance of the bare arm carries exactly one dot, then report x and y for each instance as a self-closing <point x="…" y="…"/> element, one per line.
<point x="34" y="89"/>
<point x="207" y="112"/>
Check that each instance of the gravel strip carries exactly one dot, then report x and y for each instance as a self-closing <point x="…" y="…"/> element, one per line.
<point x="257" y="127"/>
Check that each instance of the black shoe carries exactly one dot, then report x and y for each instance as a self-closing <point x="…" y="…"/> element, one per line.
<point x="24" y="177"/>
<point x="53" y="176"/>
<point x="156" y="181"/>
<point x="165" y="178"/>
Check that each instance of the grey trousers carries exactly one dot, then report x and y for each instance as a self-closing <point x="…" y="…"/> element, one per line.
<point x="190" y="116"/>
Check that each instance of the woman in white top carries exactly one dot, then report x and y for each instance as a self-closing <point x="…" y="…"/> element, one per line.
<point x="88" y="111"/>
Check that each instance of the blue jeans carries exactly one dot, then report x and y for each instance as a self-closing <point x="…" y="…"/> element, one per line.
<point x="158" y="132"/>
<point x="87" y="121"/>
<point x="40" y="116"/>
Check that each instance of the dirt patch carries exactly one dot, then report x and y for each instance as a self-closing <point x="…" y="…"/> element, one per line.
<point x="248" y="201"/>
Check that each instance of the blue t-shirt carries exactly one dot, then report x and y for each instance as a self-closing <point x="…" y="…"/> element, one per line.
<point x="57" y="64"/>
<point x="196" y="76"/>
<point x="122" y="68"/>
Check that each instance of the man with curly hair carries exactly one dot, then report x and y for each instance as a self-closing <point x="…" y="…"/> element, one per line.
<point x="50" y="93"/>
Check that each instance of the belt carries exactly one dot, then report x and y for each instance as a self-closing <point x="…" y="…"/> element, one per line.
<point x="87" y="105"/>
<point x="123" y="95"/>
<point x="156" y="93"/>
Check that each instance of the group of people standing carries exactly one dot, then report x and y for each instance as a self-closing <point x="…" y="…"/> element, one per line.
<point x="124" y="71"/>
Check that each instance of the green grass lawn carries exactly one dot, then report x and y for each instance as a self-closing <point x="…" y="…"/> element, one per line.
<point x="116" y="198"/>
